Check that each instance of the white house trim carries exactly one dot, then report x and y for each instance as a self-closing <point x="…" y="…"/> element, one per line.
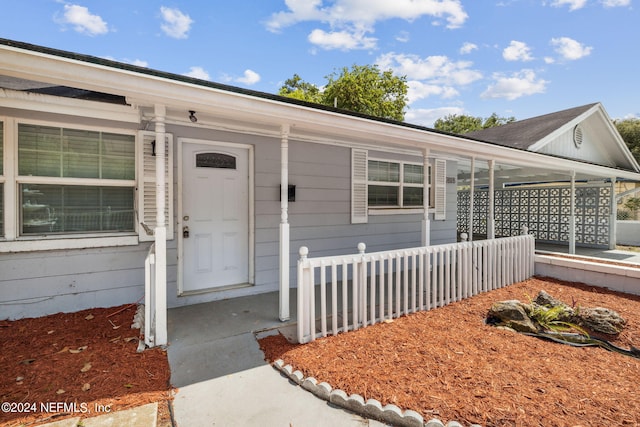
<point x="159" y="290"/>
<point x="57" y="105"/>
<point x="284" y="225"/>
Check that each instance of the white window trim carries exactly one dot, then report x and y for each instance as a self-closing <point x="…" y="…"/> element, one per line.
<point x="12" y="241"/>
<point x="400" y="209"/>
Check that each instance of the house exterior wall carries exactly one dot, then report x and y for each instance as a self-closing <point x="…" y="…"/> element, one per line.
<point x="40" y="282"/>
<point x="589" y="150"/>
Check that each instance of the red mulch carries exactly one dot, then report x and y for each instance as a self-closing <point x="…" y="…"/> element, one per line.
<point x="446" y="363"/>
<point x="88" y="357"/>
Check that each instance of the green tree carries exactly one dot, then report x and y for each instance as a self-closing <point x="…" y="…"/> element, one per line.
<point x="461" y="123"/>
<point x="630" y="131"/>
<point x="362" y="88"/>
<point x="367" y="90"/>
<point x="297" y="88"/>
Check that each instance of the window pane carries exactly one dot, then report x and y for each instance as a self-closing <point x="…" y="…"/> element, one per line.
<point x="55" y="152"/>
<point x="380" y="195"/>
<point x="80" y="153"/>
<point x="39" y="150"/>
<point x="413" y="174"/>
<point x="118" y="156"/>
<point x="384" y="171"/>
<point x="76" y="209"/>
<point x="412" y="196"/>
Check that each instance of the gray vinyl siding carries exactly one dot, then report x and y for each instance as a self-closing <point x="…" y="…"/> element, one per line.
<point x="38" y="283"/>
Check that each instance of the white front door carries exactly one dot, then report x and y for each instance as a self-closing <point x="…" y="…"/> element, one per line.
<point x="215" y="216"/>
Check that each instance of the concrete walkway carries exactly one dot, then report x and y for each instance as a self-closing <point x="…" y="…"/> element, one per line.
<point x="606" y="254"/>
<point x="222" y="377"/>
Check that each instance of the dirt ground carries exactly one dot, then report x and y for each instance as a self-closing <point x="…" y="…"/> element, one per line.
<point x="78" y="364"/>
<point x="446" y="363"/>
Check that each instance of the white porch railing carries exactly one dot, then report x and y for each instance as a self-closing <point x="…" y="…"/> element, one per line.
<point x="361" y="289"/>
<point x="149" y="284"/>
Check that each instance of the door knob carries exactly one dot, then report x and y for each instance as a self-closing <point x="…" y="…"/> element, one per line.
<point x="185" y="232"/>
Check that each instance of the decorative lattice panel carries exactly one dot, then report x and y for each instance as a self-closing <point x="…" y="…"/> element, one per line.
<point x="544" y="210"/>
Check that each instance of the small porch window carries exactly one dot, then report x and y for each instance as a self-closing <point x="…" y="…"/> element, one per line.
<point x="395" y="184"/>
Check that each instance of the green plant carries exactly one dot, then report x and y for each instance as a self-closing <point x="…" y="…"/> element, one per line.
<point x="550" y="319"/>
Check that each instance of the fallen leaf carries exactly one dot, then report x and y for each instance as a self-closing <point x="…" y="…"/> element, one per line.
<point x="78" y="350"/>
<point x="116" y="339"/>
<point x="86" y="367"/>
<point x="50" y="332"/>
<point x="114" y="325"/>
<point x="129" y="339"/>
<point x="19" y="379"/>
<point x="89" y="317"/>
<point x="128" y="385"/>
<point x="64" y="350"/>
<point x="86" y="387"/>
<point x="60" y="391"/>
<point x="27" y="361"/>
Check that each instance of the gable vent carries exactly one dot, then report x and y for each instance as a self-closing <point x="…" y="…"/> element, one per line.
<point x="577" y="136"/>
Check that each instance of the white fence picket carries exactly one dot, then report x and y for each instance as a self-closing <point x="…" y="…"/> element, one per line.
<point x="400" y="282"/>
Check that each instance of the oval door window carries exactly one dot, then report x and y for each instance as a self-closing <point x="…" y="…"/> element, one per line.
<point x="215" y="160"/>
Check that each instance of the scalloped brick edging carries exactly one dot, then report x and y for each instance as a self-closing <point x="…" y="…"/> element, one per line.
<point x="373" y="409"/>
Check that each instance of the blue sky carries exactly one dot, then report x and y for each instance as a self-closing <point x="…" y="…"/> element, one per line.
<point x="518" y="58"/>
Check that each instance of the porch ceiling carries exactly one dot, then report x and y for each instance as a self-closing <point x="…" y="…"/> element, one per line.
<point x="512" y="174"/>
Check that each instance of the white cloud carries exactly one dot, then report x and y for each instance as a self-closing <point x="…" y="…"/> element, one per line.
<point x="197" y="73"/>
<point x="366" y="13"/>
<point x="176" y="24"/>
<point x="615" y="3"/>
<point x="342" y="40"/>
<point x="517" y="51"/>
<point x="522" y="83"/>
<point x="426" y="117"/>
<point x="403" y="37"/>
<point x="138" y="62"/>
<point x="250" y="77"/>
<point x="570" y="49"/>
<point x="419" y="90"/>
<point x="436" y="69"/>
<point x="573" y="4"/>
<point x="83" y="21"/>
<point x="579" y="4"/>
<point x="358" y="17"/>
<point x="468" y="48"/>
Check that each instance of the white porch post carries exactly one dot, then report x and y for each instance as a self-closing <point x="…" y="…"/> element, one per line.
<point x="614" y="216"/>
<point x="426" y="224"/>
<point x="471" y="196"/>
<point x="572" y="215"/>
<point x="160" y="288"/>
<point x="491" y="221"/>
<point x="284" y="224"/>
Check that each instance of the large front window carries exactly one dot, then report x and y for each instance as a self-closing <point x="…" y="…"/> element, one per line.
<point x="75" y="181"/>
<point x="395" y="184"/>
